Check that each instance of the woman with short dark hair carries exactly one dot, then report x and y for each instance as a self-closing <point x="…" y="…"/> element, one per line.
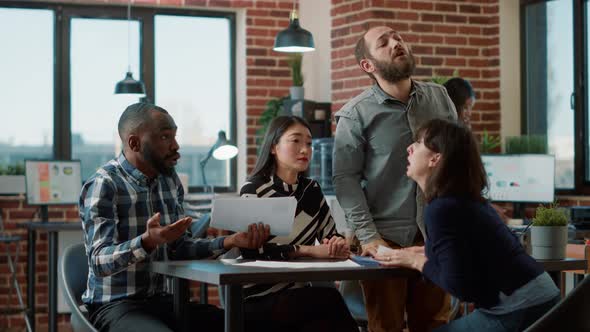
<point x="280" y="172"/>
<point x="469" y="251"/>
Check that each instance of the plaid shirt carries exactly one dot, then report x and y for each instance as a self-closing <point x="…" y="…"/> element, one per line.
<point x="115" y="204"/>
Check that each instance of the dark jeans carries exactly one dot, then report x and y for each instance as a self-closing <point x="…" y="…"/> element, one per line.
<point x="308" y="309"/>
<point x="511" y="322"/>
<point x="152" y="314"/>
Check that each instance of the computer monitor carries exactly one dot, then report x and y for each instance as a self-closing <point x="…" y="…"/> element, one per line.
<point x="51" y="182"/>
<point x="524" y="178"/>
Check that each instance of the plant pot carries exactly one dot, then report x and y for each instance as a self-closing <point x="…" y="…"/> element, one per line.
<point x="12" y="184"/>
<point x="296" y="92"/>
<point x="548" y="242"/>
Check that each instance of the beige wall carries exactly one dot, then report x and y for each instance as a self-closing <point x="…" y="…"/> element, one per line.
<point x="314" y="16"/>
<point x="509" y="68"/>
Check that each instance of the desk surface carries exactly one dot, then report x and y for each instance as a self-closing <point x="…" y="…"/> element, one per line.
<point x="51" y="226"/>
<point x="218" y="273"/>
<point x="553" y="265"/>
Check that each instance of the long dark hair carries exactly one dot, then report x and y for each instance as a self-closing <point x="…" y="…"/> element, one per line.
<point x="460" y="171"/>
<point x="459" y="90"/>
<point x="266" y="164"/>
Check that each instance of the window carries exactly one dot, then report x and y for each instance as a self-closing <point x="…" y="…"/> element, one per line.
<point x="26" y="84"/>
<point x="195" y="87"/>
<point x="553" y="103"/>
<point x="98" y="57"/>
<point x="69" y="106"/>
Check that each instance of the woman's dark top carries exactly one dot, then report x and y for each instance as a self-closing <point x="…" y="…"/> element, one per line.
<point x="472" y="254"/>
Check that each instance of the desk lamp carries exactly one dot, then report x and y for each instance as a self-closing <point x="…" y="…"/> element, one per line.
<point x="221" y="150"/>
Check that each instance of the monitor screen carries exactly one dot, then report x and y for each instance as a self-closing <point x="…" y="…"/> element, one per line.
<point x="521" y="178"/>
<point x="53" y="181"/>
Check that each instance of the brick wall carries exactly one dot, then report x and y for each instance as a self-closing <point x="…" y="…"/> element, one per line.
<point x="14" y="211"/>
<point x="267" y="76"/>
<point x="445" y="36"/>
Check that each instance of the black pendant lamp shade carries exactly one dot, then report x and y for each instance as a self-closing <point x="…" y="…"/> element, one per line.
<point x="294" y="39"/>
<point x="130" y="85"/>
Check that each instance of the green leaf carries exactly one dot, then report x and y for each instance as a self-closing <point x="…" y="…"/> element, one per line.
<point x="294" y="62"/>
<point x="273" y="107"/>
<point x="551" y="215"/>
<point x="13" y="169"/>
<point x="489" y="143"/>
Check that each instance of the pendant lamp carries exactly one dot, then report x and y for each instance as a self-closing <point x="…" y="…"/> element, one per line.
<point x="294" y="39"/>
<point x="129" y="85"/>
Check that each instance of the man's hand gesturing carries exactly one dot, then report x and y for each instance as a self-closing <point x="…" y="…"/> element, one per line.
<point x="156" y="234"/>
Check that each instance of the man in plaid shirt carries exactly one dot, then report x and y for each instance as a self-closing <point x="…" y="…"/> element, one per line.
<point x="131" y="212"/>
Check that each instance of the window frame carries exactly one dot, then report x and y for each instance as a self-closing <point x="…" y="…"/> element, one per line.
<point x="581" y="132"/>
<point x="63" y="13"/>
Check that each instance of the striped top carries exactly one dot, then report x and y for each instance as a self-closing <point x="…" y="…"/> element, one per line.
<point x="313" y="221"/>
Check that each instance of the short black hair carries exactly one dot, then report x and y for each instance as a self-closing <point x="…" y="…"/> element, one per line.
<point x="135" y="116"/>
<point x="459" y="91"/>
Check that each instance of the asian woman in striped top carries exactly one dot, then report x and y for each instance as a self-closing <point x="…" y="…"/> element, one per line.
<point x="279" y="172"/>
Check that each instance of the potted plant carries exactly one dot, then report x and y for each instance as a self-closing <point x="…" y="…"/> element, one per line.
<point x="296" y="90"/>
<point x="549" y="232"/>
<point x="273" y="108"/>
<point x="12" y="179"/>
<point x="526" y="144"/>
<point x="489" y="143"/>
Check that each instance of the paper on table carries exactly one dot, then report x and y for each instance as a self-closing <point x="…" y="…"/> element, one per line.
<point x="235" y="214"/>
<point x="293" y="265"/>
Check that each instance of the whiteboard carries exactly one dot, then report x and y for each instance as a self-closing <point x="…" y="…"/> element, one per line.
<point x="53" y="182"/>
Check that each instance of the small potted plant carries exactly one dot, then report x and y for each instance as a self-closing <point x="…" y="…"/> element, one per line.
<point x="296" y="90"/>
<point x="526" y="144"/>
<point x="549" y="232"/>
<point x="12" y="179"/>
<point x="272" y="110"/>
<point x="489" y="143"/>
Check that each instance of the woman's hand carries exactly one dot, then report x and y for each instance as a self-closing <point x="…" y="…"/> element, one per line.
<point x="337" y="247"/>
<point x="403" y="258"/>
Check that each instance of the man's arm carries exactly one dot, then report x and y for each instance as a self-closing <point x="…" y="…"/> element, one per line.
<point x="99" y="220"/>
<point x="188" y="247"/>
<point x="348" y="164"/>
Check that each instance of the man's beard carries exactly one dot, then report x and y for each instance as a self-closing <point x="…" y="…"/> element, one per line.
<point x="393" y="71"/>
<point x="158" y="163"/>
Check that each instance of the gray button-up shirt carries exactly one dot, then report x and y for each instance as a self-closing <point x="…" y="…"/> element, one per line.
<point x="370" y="160"/>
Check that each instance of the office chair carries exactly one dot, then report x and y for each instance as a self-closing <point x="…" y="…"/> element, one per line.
<point x="73" y="269"/>
<point x="570" y="314"/>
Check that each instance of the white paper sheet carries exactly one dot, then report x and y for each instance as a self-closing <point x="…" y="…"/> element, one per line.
<point x="235" y="214"/>
<point x="293" y="265"/>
